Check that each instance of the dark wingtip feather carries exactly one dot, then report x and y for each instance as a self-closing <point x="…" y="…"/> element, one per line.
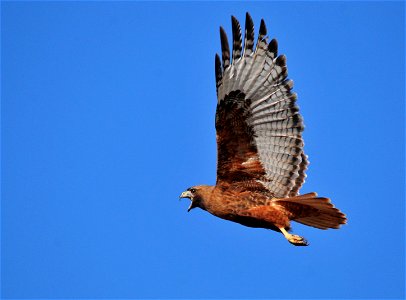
<point x="288" y="84"/>
<point x="218" y="70"/>
<point x="249" y="35"/>
<point x="281" y="60"/>
<point x="249" y="23"/>
<point x="273" y="47"/>
<point x="237" y="42"/>
<point x="262" y="29"/>
<point x="247" y="16"/>
<point x="261" y="42"/>
<point x="225" y="49"/>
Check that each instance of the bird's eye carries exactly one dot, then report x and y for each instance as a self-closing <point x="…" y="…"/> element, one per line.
<point x="193" y="190"/>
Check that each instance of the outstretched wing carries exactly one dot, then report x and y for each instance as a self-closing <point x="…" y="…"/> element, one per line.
<point x="259" y="128"/>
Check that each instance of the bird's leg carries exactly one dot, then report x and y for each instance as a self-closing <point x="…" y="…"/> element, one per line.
<point x="293" y="238"/>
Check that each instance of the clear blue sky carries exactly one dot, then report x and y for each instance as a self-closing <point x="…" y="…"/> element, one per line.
<point x="108" y="115"/>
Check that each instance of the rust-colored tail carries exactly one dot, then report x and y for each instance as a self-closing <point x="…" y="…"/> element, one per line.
<point x="314" y="211"/>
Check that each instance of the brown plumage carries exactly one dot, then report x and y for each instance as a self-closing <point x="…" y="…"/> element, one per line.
<point x="260" y="160"/>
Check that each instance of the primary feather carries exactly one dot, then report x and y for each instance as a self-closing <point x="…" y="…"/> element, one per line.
<point x="255" y="100"/>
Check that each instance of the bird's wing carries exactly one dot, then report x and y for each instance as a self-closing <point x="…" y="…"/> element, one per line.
<point x="259" y="128"/>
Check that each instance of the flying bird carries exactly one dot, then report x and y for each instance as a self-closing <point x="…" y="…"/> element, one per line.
<point x="260" y="159"/>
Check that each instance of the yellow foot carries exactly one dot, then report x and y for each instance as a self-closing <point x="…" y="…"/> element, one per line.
<point x="294" y="239"/>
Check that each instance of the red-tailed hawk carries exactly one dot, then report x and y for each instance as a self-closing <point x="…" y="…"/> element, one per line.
<point x="261" y="164"/>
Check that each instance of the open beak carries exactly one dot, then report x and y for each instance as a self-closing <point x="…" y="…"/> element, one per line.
<point x="187" y="194"/>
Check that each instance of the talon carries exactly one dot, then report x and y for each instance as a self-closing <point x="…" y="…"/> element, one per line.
<point x="297" y="240"/>
<point x="294" y="239"/>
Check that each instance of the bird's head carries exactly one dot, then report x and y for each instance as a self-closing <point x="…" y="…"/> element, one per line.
<point x="198" y="195"/>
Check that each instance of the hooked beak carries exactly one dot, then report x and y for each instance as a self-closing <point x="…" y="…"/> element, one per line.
<point x="187" y="194"/>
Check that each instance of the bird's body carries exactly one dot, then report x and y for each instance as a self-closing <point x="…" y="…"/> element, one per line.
<point x="221" y="202"/>
<point x="260" y="159"/>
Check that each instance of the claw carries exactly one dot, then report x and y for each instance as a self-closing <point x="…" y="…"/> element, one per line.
<point x="297" y="240"/>
<point x="294" y="239"/>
